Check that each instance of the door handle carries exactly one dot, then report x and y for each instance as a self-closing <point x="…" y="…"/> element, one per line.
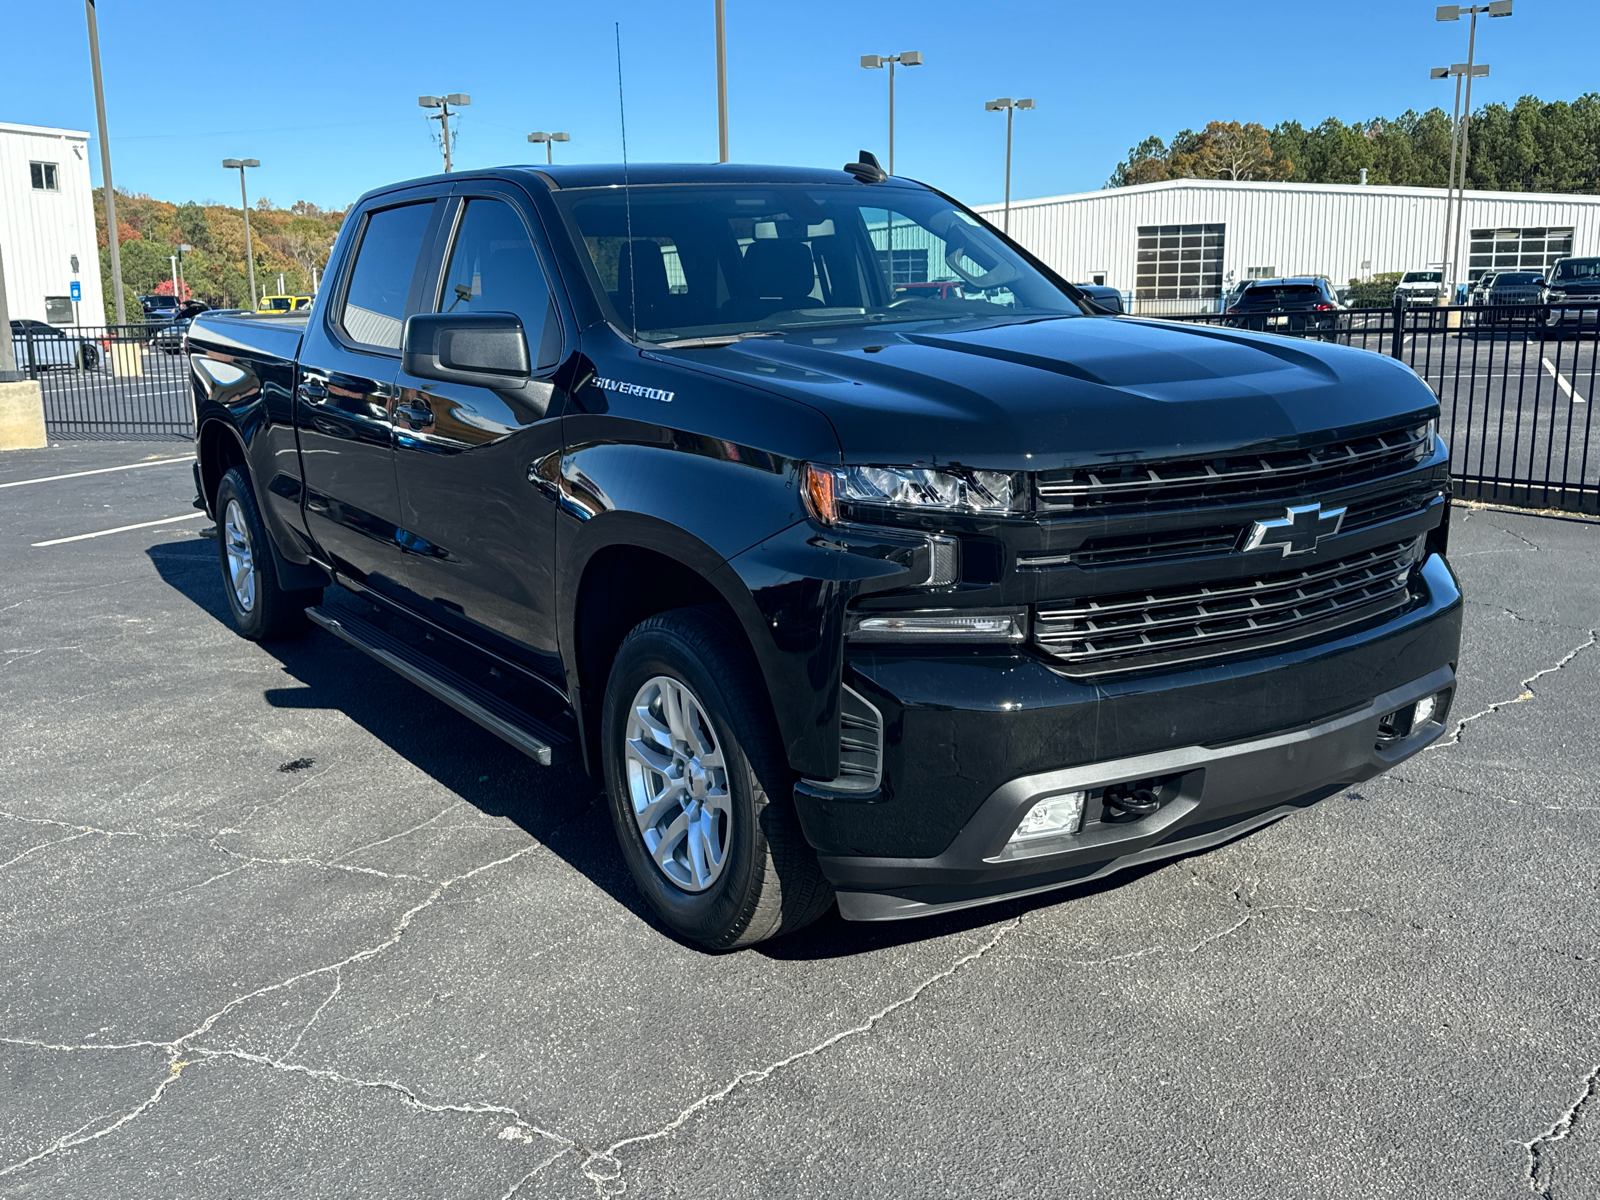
<point x="417" y="415"/>
<point x="313" y="393"/>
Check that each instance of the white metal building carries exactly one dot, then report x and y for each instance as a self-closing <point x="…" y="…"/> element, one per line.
<point x="1175" y="245"/>
<point x="47" y="221"/>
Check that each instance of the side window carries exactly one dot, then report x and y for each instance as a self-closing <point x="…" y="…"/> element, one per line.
<point x="375" y="303"/>
<point x="493" y="268"/>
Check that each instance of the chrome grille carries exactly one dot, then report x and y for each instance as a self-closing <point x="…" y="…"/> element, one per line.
<point x="1232" y="478"/>
<point x="1130" y="631"/>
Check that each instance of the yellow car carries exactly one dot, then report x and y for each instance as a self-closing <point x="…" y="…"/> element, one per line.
<point x="282" y="305"/>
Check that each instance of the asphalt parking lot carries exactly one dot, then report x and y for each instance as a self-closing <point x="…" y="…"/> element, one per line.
<point x="276" y="924"/>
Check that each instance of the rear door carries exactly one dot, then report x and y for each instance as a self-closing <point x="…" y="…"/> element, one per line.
<point x="345" y="396"/>
<point x="481" y="532"/>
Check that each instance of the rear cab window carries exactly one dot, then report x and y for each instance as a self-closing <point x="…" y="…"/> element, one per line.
<point x="374" y="308"/>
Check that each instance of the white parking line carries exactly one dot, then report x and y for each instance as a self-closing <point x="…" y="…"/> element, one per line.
<point x="160" y="462"/>
<point x="1561" y="382"/>
<point x="120" y="529"/>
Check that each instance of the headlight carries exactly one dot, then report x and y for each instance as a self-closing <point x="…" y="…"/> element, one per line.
<point x="1425" y="436"/>
<point x="912" y="488"/>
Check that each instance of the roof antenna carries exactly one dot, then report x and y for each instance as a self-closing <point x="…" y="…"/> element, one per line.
<point x="627" y="198"/>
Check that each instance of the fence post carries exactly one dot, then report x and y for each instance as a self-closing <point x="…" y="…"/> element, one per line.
<point x="33" y="360"/>
<point x="1399" y="322"/>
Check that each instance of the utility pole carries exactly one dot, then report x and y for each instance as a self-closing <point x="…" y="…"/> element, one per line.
<point x="105" y="164"/>
<point x="244" y="204"/>
<point x="1452" y="12"/>
<point x="872" y="62"/>
<point x="1009" y="107"/>
<point x="722" y="83"/>
<point x="443" y="103"/>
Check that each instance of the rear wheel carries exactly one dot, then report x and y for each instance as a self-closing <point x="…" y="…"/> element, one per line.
<point x="700" y="791"/>
<point x="262" y="610"/>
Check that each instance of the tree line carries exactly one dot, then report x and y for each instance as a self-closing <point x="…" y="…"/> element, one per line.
<point x="293" y="241"/>
<point x="1530" y="146"/>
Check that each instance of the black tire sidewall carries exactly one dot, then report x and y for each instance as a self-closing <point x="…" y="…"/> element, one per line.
<point x="716" y="916"/>
<point x="254" y="624"/>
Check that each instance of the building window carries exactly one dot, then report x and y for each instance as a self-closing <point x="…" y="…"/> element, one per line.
<point x="1180" y="262"/>
<point x="1261" y="272"/>
<point x="1516" y="250"/>
<point x="44" y="176"/>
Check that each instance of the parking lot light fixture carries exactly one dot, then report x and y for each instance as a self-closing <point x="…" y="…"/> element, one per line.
<point x="1009" y="107"/>
<point x="547" y="139"/>
<point x="873" y="62"/>
<point x="244" y="203"/>
<point x="444" y="104"/>
<point x="1469" y="69"/>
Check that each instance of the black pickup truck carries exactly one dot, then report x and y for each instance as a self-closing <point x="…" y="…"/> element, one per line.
<point x="915" y="598"/>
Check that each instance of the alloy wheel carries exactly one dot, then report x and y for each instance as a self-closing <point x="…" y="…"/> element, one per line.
<point x="241" y="557"/>
<point x="678" y="784"/>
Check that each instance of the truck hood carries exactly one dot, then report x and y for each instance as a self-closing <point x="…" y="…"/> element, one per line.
<point x="1041" y="394"/>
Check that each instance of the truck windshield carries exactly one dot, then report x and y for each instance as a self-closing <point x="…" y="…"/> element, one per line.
<point x="1421" y="277"/>
<point x="715" y="260"/>
<point x="1578" y="268"/>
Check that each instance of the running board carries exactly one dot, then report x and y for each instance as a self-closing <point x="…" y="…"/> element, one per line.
<point x="528" y="734"/>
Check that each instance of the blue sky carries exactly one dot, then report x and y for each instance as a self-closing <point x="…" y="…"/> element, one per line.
<point x="325" y="95"/>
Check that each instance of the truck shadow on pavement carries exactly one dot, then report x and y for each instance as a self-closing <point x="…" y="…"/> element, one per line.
<point x="560" y="807"/>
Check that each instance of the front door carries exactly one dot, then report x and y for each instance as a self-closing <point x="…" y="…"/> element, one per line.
<point x="480" y="534"/>
<point x="345" y="398"/>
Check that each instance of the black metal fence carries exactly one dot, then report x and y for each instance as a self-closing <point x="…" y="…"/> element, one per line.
<point x="109" y="382"/>
<point x="1516" y="387"/>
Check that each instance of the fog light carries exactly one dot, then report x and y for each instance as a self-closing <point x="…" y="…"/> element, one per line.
<point x="1426" y="707"/>
<point x="1052" y="815"/>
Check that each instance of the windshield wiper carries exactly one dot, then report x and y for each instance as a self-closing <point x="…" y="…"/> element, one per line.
<point x="721" y="339"/>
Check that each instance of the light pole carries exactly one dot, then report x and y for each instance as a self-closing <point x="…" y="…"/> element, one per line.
<point x="547" y="139"/>
<point x="244" y="203"/>
<point x="105" y="164"/>
<point x="722" y="84"/>
<point x="443" y="103"/>
<point x="1459" y="71"/>
<point x="1452" y="12"/>
<point x="872" y="62"/>
<point x="1009" y="106"/>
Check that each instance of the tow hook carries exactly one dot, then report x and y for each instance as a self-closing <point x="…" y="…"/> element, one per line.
<point x="1131" y="802"/>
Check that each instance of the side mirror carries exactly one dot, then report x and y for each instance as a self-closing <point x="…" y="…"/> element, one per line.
<point x="1541" y="281"/>
<point x="478" y="349"/>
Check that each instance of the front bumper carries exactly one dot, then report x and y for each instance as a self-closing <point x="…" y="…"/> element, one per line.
<point x="1222" y="793"/>
<point x="972" y="744"/>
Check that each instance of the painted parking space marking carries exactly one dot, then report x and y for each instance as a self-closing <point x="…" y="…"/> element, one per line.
<point x="1561" y="382"/>
<point x="161" y="462"/>
<point x="79" y="537"/>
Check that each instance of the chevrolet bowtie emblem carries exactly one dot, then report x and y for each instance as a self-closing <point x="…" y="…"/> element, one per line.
<point x="1297" y="532"/>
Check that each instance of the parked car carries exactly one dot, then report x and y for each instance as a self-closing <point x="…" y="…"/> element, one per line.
<point x="281" y="305"/>
<point x="1304" y="304"/>
<point x="43" y="346"/>
<point x="1511" y="297"/>
<point x="1575" y="284"/>
<point x="160" y="310"/>
<point x="1419" y="287"/>
<point x="169" y="338"/>
<point x="915" y="603"/>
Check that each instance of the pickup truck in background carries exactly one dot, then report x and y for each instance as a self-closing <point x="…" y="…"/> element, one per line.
<point x="912" y="598"/>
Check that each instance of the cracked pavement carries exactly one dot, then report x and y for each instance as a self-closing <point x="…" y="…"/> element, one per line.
<point x="276" y="923"/>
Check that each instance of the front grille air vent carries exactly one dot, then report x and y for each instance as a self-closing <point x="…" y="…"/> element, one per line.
<point x="860" y="746"/>
<point x="1183" y="544"/>
<point x="1108" y="634"/>
<point x="1233" y="478"/>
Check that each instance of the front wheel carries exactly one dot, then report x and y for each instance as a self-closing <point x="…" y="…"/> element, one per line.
<point x="262" y="609"/>
<point x="700" y="791"/>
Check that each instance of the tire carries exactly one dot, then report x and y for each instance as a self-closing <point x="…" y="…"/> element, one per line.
<point x="262" y="609"/>
<point x="767" y="882"/>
